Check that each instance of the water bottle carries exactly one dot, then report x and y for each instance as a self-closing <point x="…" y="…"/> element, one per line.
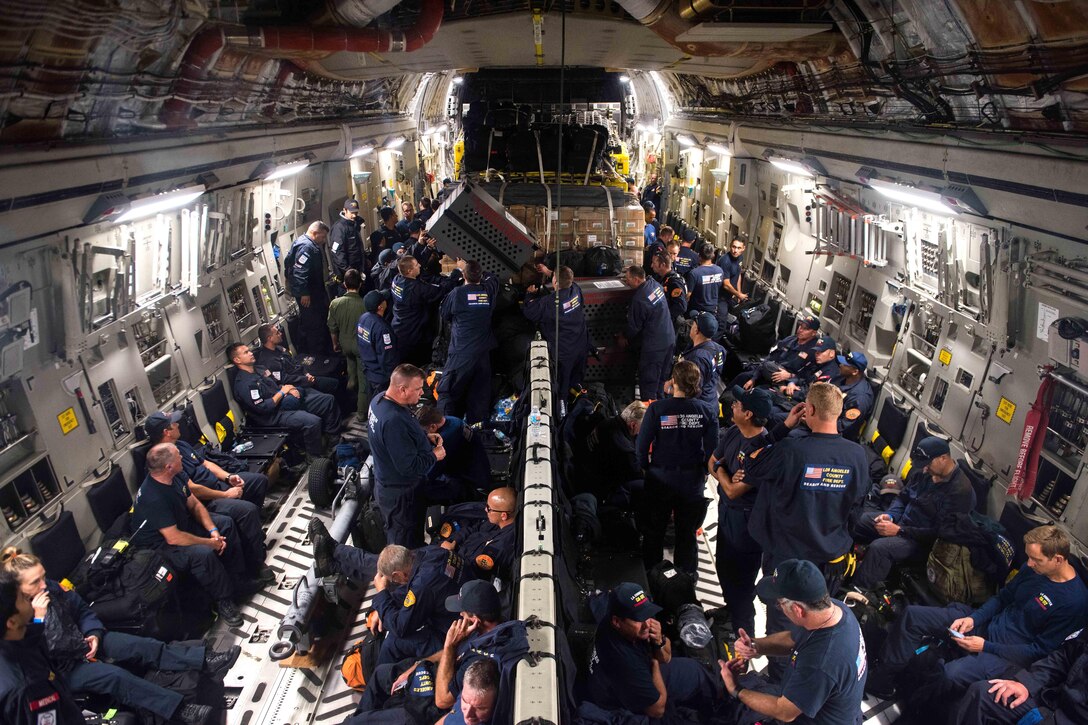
<point x="694" y="630"/>
<point x="534" y="423"/>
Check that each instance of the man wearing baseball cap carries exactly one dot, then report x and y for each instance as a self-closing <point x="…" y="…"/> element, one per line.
<point x="632" y="667"/>
<point x="825" y="679"/>
<point x="345" y="246"/>
<point x="687" y="258"/>
<point x="936" y="489"/>
<point x="737" y="556"/>
<point x="787" y="358"/>
<point x="708" y="356"/>
<point x="857" y="393"/>
<point x="384" y="270"/>
<point x="386" y="235"/>
<point x="824" y="368"/>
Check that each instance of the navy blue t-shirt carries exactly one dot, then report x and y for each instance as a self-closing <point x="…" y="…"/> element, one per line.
<point x="730" y="268"/>
<point x="621" y="673"/>
<point x="825" y="677"/>
<point x="731" y="453"/>
<point x="401" y="452"/>
<point x="709" y="357"/>
<point x="686" y="260"/>
<point x="682" y="431"/>
<point x="158" y="506"/>
<point x="705" y="283"/>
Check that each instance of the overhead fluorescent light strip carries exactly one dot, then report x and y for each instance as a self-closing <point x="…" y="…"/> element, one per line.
<point x="921" y="198"/>
<point x="685" y="140"/>
<point x="791" y="167"/>
<point x="361" y="151"/>
<point x="286" y="170"/>
<point x="151" y="205"/>
<point x="395" y="143"/>
<point x="717" y="148"/>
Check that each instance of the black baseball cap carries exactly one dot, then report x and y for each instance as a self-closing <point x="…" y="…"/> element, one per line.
<point x="649" y="206"/>
<point x="351" y="205"/>
<point x="812" y="323"/>
<point x="373" y="300"/>
<point x="927" y="449"/>
<point x="416" y="225"/>
<point x="627" y="601"/>
<point x="794" y="579"/>
<point x="157" y="423"/>
<point x="477" y="597"/>
<point x="824" y="342"/>
<point x="707" y="324"/>
<point x="756" y="401"/>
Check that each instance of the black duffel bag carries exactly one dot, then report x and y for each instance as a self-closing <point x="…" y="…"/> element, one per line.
<point x="602" y="262"/>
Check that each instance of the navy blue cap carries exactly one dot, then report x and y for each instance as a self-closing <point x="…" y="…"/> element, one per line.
<point x="855" y="359"/>
<point x="157" y="423"/>
<point x="397" y="247"/>
<point x="386" y="212"/>
<point x="416" y="225"/>
<point x="929" y="448"/>
<point x="351" y="205"/>
<point x="707" y="324"/>
<point x="478" y="597"/>
<point x="756" y="401"/>
<point x="386" y="256"/>
<point x="689" y="235"/>
<point x="373" y="300"/>
<point x="627" y="601"/>
<point x="824" y="342"/>
<point x="812" y="323"/>
<point x="649" y="206"/>
<point x="794" y="579"/>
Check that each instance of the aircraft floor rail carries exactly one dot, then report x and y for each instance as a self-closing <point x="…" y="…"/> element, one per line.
<point x="536" y="683"/>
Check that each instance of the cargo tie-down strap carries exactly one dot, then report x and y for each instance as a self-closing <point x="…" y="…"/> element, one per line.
<point x="1031" y="442"/>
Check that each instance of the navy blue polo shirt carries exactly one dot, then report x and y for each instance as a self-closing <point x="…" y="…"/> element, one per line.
<point x="573" y="332"/>
<point x="621" y="673"/>
<point x="705" y="283"/>
<point x="731" y="453"/>
<point x="686" y="260"/>
<point x="159" y="506"/>
<point x="731" y="269"/>
<point x="468" y="309"/>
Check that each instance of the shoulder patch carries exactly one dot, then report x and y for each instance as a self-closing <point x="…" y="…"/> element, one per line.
<point x="676" y="292"/>
<point x="409" y="598"/>
<point x="755" y="454"/>
<point x="485" y="562"/>
<point x="852" y="414"/>
<point x="446" y="530"/>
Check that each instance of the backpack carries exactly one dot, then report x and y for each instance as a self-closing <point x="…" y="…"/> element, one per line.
<point x="368" y="533"/>
<point x="671" y="588"/>
<point x="568" y="258"/>
<point x="602" y="262"/>
<point x="953" y="578"/>
<point x="357" y="667"/>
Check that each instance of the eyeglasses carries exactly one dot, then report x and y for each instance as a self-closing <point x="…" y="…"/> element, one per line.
<point x="490" y="510"/>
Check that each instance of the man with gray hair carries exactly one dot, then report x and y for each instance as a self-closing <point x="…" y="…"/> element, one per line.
<point x="412" y="587"/>
<point x="825" y="681"/>
<point x="305" y="275"/>
<point x="476" y="703"/>
<point x="606" y="461"/>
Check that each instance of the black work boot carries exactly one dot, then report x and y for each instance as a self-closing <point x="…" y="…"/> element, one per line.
<point x="193" y="714"/>
<point x="217" y="664"/>
<point x="229" y="613"/>
<point x="324" y="548"/>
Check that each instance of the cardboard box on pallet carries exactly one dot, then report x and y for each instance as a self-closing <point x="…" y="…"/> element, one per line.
<point x="631" y="219"/>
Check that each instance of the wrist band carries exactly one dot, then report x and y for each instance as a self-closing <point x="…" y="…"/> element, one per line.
<point x="39" y="620"/>
<point x="213" y="530"/>
<point x="736" y="695"/>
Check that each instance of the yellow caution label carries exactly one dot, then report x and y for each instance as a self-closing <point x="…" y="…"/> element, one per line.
<point x="1006" y="409"/>
<point x="68" y="421"/>
<point x="120" y="545"/>
<point x="945" y="356"/>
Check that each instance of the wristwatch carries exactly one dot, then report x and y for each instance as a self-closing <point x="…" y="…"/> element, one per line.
<point x="736" y="693"/>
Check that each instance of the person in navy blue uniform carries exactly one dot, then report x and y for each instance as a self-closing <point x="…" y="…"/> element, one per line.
<point x="571" y="348"/>
<point x="413" y="301"/>
<point x="709" y="357"/>
<point x="705" y="284"/>
<point x="936" y="489"/>
<point x="425" y="210"/>
<point x="787" y="359"/>
<point x="103" y="667"/>
<point x="425" y="248"/>
<point x="1051" y="690"/>
<point x="345" y="245"/>
<point x="402" y="455"/>
<point x="650" y="329"/>
<point x="824" y="369"/>
<point x="824" y="681"/>
<point x="266" y="402"/>
<point x="676" y="289"/>
<point x="858" y="401"/>
<point x="220" y="492"/>
<point x="658" y="246"/>
<point x="737" y="556"/>
<point x="682" y="434"/>
<point x="376" y="341"/>
<point x="467" y="310"/>
<point x="479" y="694"/>
<point x="386" y="235"/>
<point x="687" y="258"/>
<point x="384" y="270"/>
<point x="273" y="357"/>
<point x="651" y="192"/>
<point x="606" y="464"/>
<point x="30" y="692"/>
<point x="649" y="232"/>
<point x="1028" y="619"/>
<point x="810" y="486"/>
<point x="733" y="279"/>
<point x="167" y="516"/>
<point x="412" y="587"/>
<point x="408" y="215"/>
<point x="306" y="281"/>
<point x="489" y="548"/>
<point x="466" y="468"/>
<point x="632" y="667"/>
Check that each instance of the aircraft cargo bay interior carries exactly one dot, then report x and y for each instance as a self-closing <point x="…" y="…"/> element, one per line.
<point x="420" y="361"/>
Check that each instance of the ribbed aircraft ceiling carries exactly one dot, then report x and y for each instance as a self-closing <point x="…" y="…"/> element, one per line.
<point x="99" y="68"/>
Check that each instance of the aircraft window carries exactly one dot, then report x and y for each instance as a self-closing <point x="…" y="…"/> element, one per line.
<point x="863" y="314"/>
<point x="108" y="396"/>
